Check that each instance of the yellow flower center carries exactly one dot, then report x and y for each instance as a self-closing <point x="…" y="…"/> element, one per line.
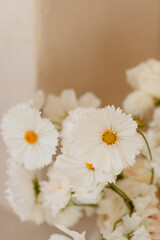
<point x="30" y="137"/>
<point x="59" y="187"/>
<point x="89" y="166"/>
<point x="109" y="137"/>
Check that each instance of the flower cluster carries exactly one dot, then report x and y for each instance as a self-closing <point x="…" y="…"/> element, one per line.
<point x="145" y="80"/>
<point x="69" y="157"/>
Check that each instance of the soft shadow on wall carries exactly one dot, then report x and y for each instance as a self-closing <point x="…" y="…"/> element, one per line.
<point x="87" y="45"/>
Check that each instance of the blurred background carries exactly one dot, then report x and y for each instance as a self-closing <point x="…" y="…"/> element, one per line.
<point x="56" y="44"/>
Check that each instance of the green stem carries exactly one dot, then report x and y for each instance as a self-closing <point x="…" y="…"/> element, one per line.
<point x="150" y="155"/>
<point x="115" y="224"/>
<point x="152" y="176"/>
<point x="122" y="194"/>
<point x="129" y="235"/>
<point x="149" y="150"/>
<point x="85" y="205"/>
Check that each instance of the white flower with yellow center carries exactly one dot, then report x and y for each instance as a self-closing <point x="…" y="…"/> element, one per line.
<point x="81" y="174"/>
<point x="30" y="139"/>
<point x="73" y="234"/>
<point x="107" y="138"/>
<point x="57" y="107"/>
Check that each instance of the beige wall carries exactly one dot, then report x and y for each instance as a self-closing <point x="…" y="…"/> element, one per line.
<point x="83" y="44"/>
<point x="18" y="71"/>
<point x="88" y="44"/>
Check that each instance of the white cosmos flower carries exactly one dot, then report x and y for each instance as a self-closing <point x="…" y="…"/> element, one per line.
<point x="82" y="175"/>
<point x="138" y="103"/>
<point x="30" y="139"/>
<point x="73" y="234"/>
<point x="57" y="107"/>
<point x="23" y="193"/>
<point x="56" y="192"/>
<point x="107" y="138"/>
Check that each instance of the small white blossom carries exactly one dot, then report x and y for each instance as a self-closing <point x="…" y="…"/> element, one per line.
<point x="73" y="234"/>
<point x="146" y="76"/>
<point x="141" y="234"/>
<point x="138" y="103"/>
<point x="38" y="101"/>
<point x="58" y="107"/>
<point x="56" y="192"/>
<point x="155" y="124"/>
<point x="23" y="193"/>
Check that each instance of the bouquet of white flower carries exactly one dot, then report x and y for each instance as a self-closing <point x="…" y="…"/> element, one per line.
<point x="70" y="157"/>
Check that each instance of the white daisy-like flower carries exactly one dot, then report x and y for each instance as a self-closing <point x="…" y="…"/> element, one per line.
<point x="146" y="76"/>
<point x="56" y="192"/>
<point x="38" y="100"/>
<point x="138" y="103"/>
<point x="81" y="174"/>
<point x="57" y="107"/>
<point x="30" y="139"/>
<point x="107" y="138"/>
<point x="73" y="234"/>
<point x="23" y="193"/>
